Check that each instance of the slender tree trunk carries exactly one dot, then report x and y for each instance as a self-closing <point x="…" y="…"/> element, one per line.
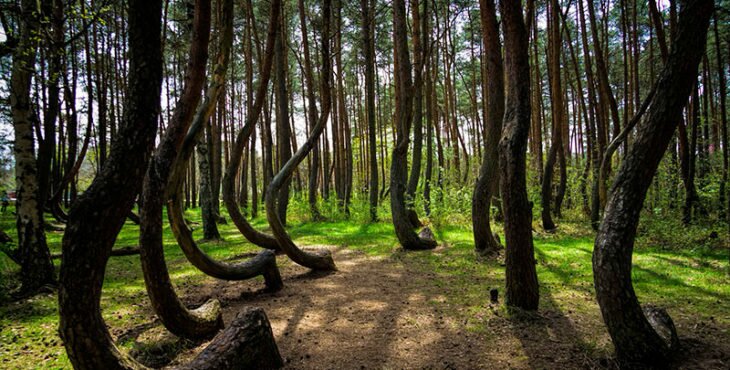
<point x="399" y="164"/>
<point x="312" y="116"/>
<point x="319" y="260"/>
<point x="493" y="83"/>
<point x="260" y="100"/>
<point x="36" y="268"/>
<point x="723" y="196"/>
<point x="210" y="220"/>
<point x="520" y="276"/>
<point x="418" y="63"/>
<point x="283" y="130"/>
<point x="368" y="41"/>
<point x="556" y="97"/>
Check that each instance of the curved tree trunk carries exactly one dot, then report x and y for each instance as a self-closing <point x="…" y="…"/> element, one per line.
<point x="263" y="264"/>
<point x="205" y="321"/>
<point x="96" y="218"/>
<point x="404" y="109"/>
<point x="234" y="163"/>
<point x="36" y="268"/>
<point x="321" y="260"/>
<point x="633" y="337"/>
<point x="484" y="241"/>
<point x="522" y="289"/>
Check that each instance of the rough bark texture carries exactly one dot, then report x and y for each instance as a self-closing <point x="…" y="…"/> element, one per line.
<point x="404" y="109"/>
<point x="319" y="260"/>
<point x="484" y="241"/>
<point x="36" y="268"/>
<point x="207" y="208"/>
<point x="263" y="264"/>
<point x="234" y="163"/>
<point x="207" y="320"/>
<point x="97" y="216"/>
<point x="247" y="343"/>
<point x="96" y="219"/>
<point x="636" y="342"/>
<point x="520" y="276"/>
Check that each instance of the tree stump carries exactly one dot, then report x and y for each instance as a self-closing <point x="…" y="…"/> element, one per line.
<point x="247" y="343"/>
<point x="663" y="325"/>
<point x="426" y="234"/>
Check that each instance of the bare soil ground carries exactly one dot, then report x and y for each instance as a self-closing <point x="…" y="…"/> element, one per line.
<point x="381" y="313"/>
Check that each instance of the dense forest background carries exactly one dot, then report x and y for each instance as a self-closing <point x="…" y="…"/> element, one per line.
<point x="604" y="121"/>
<point x="608" y="60"/>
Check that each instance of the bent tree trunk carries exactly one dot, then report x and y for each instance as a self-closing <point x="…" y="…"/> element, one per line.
<point x="207" y="320"/>
<point x="404" y="109"/>
<point x="520" y="276"/>
<point x="263" y="264"/>
<point x="36" y="268"/>
<point x="484" y="241"/>
<point x="633" y="337"/>
<point x="321" y="260"/>
<point x="234" y="163"/>
<point x="96" y="217"/>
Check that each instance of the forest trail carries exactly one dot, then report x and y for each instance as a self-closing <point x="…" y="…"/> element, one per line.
<point x="381" y="313"/>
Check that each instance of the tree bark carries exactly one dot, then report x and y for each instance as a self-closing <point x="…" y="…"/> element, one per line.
<point x="207" y="208"/>
<point x="229" y="196"/>
<point x="556" y="97"/>
<point x="97" y="216"/>
<point x="368" y="35"/>
<point x="283" y="130"/>
<point x="36" y="268"/>
<point x="522" y="289"/>
<point x="320" y="260"/>
<point x="207" y="320"/>
<point x="247" y="343"/>
<point x="418" y="62"/>
<point x="635" y="340"/>
<point x="484" y="241"/>
<point x="404" y="109"/>
<point x="312" y="114"/>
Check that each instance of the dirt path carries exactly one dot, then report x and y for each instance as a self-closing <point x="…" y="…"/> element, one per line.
<point x="382" y="313"/>
<point x="376" y="313"/>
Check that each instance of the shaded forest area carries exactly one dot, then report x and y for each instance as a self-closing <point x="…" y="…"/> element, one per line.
<point x="325" y="184"/>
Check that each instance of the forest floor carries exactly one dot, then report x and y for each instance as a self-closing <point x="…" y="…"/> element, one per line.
<point x="389" y="309"/>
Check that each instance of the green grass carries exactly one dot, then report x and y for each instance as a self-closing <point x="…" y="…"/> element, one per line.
<point x="688" y="277"/>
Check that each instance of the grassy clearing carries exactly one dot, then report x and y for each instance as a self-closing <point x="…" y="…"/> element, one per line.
<point x="686" y="273"/>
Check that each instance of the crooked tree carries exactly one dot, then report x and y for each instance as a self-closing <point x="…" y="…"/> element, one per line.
<point x="633" y="336"/>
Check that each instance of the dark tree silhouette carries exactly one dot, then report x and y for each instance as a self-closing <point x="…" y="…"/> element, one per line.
<point x="633" y="336"/>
